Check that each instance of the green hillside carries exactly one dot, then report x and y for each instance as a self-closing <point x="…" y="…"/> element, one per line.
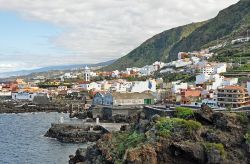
<point x="155" y="49"/>
<point x="230" y="23"/>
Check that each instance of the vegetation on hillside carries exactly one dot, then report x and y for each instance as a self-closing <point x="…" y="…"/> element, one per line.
<point x="184" y="77"/>
<point x="227" y="24"/>
<point x="167" y="126"/>
<point x="155" y="49"/>
<point x="239" y="53"/>
<point x="247" y="137"/>
<point x="183" y="112"/>
<point x="215" y="146"/>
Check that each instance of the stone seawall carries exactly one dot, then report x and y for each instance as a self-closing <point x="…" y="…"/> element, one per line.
<point x="151" y="111"/>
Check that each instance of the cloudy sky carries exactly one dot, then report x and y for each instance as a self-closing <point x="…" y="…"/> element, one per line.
<point x="37" y="33"/>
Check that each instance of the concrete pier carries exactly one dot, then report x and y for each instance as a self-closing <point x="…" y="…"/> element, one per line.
<point x="109" y="127"/>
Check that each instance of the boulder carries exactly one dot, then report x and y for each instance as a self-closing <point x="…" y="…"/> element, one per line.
<point x="204" y="115"/>
<point x="155" y="118"/>
<point x="214" y="156"/>
<point x="79" y="156"/>
<point x="193" y="152"/>
<point x="226" y="121"/>
<point x="141" y="126"/>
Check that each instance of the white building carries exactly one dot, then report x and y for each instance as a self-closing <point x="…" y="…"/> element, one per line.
<point x="181" y="63"/>
<point x="26" y="96"/>
<point x="122" y="86"/>
<point x="212" y="102"/>
<point x="115" y="74"/>
<point x="240" y="40"/>
<point x="69" y="76"/>
<point x="213" y="68"/>
<point x="158" y="65"/>
<point x="215" y="81"/>
<point x="167" y="70"/>
<point x="133" y="69"/>
<point x="230" y="81"/>
<point x="221" y="68"/>
<point x="207" y="69"/>
<point x="91" y="86"/>
<point x="147" y="70"/>
<point x="248" y="87"/>
<point x="61" y="88"/>
<point x="93" y="74"/>
<point x="177" y="86"/>
<point x="195" y="60"/>
<point x="212" y="81"/>
<point x="142" y="86"/>
<point x="105" y="85"/>
<point x="123" y="99"/>
<point x="5" y="93"/>
<point x="202" y="78"/>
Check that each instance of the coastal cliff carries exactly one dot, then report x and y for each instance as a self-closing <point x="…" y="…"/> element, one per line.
<point x="189" y="137"/>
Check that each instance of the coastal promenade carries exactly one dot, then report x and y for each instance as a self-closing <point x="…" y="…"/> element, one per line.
<point x="108" y="127"/>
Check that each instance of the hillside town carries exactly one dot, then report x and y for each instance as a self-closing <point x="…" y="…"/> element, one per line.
<point x="139" y="86"/>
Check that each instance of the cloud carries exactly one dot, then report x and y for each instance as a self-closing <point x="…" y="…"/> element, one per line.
<point x="98" y="30"/>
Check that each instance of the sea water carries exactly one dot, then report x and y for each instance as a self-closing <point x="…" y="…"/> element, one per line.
<point x="22" y="139"/>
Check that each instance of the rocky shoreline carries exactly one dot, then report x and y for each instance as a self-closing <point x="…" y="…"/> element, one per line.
<point x="26" y="107"/>
<point x="74" y="133"/>
<point x="200" y="137"/>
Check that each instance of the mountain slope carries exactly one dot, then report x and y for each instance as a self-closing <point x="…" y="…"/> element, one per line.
<point x="225" y="25"/>
<point x="156" y="48"/>
<point x="230" y="23"/>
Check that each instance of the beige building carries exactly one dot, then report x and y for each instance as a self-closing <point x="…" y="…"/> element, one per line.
<point x="233" y="97"/>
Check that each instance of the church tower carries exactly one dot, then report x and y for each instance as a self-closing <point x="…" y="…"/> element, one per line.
<point x="86" y="74"/>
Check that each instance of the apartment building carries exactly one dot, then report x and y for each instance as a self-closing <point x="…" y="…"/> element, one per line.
<point x="233" y="97"/>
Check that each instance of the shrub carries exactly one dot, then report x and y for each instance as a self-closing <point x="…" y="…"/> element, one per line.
<point x="167" y="126"/>
<point x="247" y="137"/>
<point x="192" y="125"/>
<point x="182" y="112"/>
<point x="218" y="146"/>
<point x="131" y="141"/>
<point x="242" y="117"/>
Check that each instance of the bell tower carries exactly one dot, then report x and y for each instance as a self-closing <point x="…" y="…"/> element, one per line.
<point x="86" y="74"/>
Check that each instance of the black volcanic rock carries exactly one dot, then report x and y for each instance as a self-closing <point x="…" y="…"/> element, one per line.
<point x="74" y="133"/>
